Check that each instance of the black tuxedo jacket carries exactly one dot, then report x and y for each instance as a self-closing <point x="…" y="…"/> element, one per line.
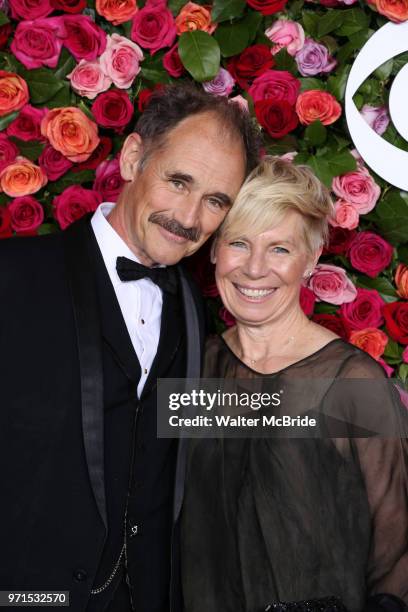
<point x="53" y="513"/>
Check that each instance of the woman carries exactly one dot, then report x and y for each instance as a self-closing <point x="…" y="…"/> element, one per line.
<point x="270" y="519"/>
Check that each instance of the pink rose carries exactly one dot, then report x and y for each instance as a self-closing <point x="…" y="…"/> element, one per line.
<point x="227" y="317"/>
<point x="120" y="60"/>
<point x="172" y="62"/>
<point x="154" y="26"/>
<point x="289" y="156"/>
<point x="221" y="85"/>
<point x="345" y="215"/>
<point x="388" y="369"/>
<point x="108" y="180"/>
<point x="38" y="43"/>
<point x="364" y="311"/>
<point x="357" y="188"/>
<point x="331" y="284"/>
<point x="279" y="85"/>
<point x="88" y="79"/>
<point x="377" y="117"/>
<point x="8" y="151"/>
<point x="27" y="125"/>
<point x="84" y="39"/>
<point x="27" y="214"/>
<point x="240" y="100"/>
<point x="54" y="163"/>
<point x="286" y="34"/>
<point x="30" y="9"/>
<point x="74" y="203"/>
<point x="405" y="355"/>
<point x="370" y="253"/>
<point x="307" y="300"/>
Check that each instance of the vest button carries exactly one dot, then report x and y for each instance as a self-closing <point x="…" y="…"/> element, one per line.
<point x="80" y="575"/>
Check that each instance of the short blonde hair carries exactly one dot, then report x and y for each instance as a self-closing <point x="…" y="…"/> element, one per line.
<point x="272" y="189"/>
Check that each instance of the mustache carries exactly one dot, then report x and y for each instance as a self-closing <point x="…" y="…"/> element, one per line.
<point x="173" y="226"/>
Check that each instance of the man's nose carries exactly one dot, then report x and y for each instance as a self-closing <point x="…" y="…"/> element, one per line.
<point x="189" y="215"/>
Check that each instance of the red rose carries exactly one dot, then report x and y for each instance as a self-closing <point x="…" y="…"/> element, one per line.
<point x="278" y="118"/>
<point x="364" y="311"/>
<point x="267" y="7"/>
<point x="276" y="85"/>
<point x="307" y="300"/>
<point x="69" y="6"/>
<point x="54" y="163"/>
<point x="108" y="181"/>
<point x="101" y="152"/>
<point x="252" y="62"/>
<point x="30" y="9"/>
<point x="85" y="40"/>
<point x="226" y="316"/>
<point x="27" y="126"/>
<point x="202" y="270"/>
<point x="5" y="31"/>
<point x="74" y="203"/>
<point x="154" y="26"/>
<point x="113" y="109"/>
<point x="27" y="214"/>
<point x="145" y="95"/>
<point x="370" y="253"/>
<point x="8" y="151"/>
<point x="396" y="321"/>
<point x="332" y="322"/>
<point x="339" y="240"/>
<point x="172" y="62"/>
<point x="5" y="222"/>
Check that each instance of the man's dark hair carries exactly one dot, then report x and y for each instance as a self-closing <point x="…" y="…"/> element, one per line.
<point x="173" y="103"/>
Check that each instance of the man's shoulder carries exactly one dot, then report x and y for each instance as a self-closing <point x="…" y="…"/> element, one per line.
<point x="33" y="246"/>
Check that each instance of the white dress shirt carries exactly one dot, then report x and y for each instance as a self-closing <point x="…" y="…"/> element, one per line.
<point x="140" y="301"/>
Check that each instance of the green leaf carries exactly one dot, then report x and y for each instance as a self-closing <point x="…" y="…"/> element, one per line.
<point x="4" y="199"/>
<point x="330" y="21"/>
<point x="47" y="228"/>
<point x="3" y="19"/>
<point x="325" y="308"/>
<point x="63" y="97"/>
<point x="354" y="20"/>
<point x="311" y="83"/>
<point x="8" y="62"/>
<point x="399" y="61"/>
<point x="393" y="352"/>
<point x="232" y="39"/>
<point x="336" y="84"/>
<point x="392" y="214"/>
<point x="310" y="23"/>
<point x="71" y="178"/>
<point x="200" y="55"/>
<point x="316" y="133"/>
<point x="391" y="135"/>
<point x="403" y="253"/>
<point x="384" y="71"/>
<point x="175" y="6"/>
<point x="43" y="84"/>
<point x="355" y="43"/>
<point x="281" y="146"/>
<point x="252" y="22"/>
<point x="7" y="119"/>
<point x="341" y="162"/>
<point x="403" y="372"/>
<point x="381" y="284"/>
<point x="154" y="71"/>
<point x="321" y="168"/>
<point x="284" y="61"/>
<point x="224" y="10"/>
<point x="65" y="65"/>
<point x="31" y="150"/>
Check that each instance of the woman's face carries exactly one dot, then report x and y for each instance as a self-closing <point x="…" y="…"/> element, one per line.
<point x="259" y="278"/>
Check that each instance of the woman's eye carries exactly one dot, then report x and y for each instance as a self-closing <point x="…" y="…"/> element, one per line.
<point x="279" y="249"/>
<point x="238" y="243"/>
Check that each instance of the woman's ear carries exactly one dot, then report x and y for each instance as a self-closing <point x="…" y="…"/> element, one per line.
<point x="130" y="156"/>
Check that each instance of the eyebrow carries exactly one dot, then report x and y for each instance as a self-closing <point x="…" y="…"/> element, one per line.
<point x="187" y="178"/>
<point x="273" y="243"/>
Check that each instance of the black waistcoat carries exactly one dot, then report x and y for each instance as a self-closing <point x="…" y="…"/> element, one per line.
<point x="139" y="468"/>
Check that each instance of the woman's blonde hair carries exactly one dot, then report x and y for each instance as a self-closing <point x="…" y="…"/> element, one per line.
<point x="272" y="189"/>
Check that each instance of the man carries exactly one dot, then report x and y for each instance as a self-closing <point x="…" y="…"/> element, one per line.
<point x="91" y="497"/>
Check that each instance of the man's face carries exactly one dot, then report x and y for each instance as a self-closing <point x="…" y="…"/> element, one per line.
<point x="172" y="206"/>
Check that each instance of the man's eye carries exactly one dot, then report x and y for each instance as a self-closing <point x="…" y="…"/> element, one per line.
<point x="215" y="203"/>
<point x="177" y="184"/>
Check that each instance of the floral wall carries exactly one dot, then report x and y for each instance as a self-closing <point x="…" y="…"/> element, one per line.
<point x="75" y="75"/>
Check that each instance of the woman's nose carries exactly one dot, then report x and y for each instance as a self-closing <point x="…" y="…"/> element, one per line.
<point x="256" y="265"/>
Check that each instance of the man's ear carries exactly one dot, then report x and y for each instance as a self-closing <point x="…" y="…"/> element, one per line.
<point x="213" y="257"/>
<point x="130" y="156"/>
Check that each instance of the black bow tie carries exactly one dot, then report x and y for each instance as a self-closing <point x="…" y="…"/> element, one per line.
<point x="165" y="278"/>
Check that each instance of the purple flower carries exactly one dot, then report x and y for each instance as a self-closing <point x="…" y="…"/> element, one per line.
<point x="221" y="85"/>
<point x="377" y="117"/>
<point x="313" y="58"/>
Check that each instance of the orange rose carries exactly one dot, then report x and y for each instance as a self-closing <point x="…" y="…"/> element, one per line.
<point x="316" y="104"/>
<point x="401" y="280"/>
<point x="22" y="178"/>
<point x="116" y="11"/>
<point x="70" y="132"/>
<point x="371" y="340"/>
<point x="13" y="92"/>
<point x="396" y="10"/>
<point x="195" y="17"/>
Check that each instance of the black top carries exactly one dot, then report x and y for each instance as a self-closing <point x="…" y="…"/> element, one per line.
<point x="273" y="519"/>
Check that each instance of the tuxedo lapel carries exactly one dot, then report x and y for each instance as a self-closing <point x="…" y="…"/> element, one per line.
<point x="81" y="280"/>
